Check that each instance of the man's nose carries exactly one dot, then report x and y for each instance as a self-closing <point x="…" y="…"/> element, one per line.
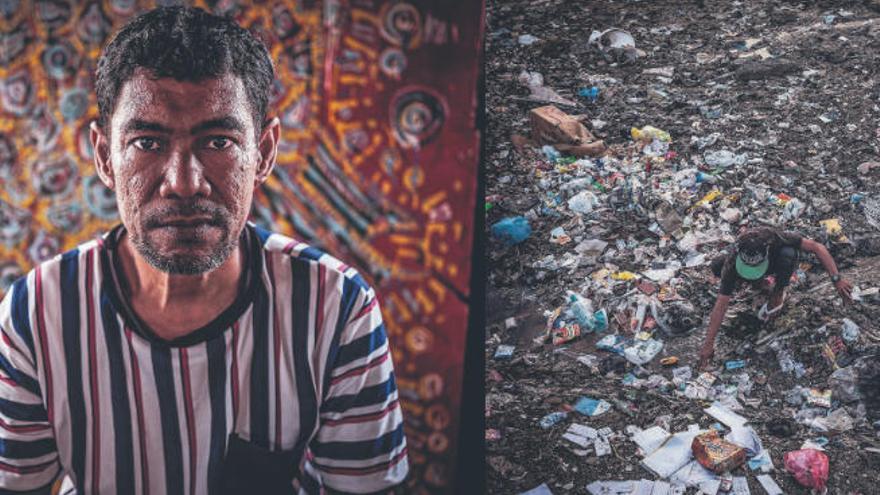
<point x="184" y="177"/>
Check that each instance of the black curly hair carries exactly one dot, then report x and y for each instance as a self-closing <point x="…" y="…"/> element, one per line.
<point x="186" y="44"/>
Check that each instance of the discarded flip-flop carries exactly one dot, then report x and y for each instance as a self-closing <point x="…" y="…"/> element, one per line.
<point x="764" y="314"/>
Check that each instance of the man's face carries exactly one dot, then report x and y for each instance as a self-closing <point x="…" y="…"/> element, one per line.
<point x="184" y="160"/>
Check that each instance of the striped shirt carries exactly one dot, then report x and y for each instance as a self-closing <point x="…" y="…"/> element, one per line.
<point x="299" y="363"/>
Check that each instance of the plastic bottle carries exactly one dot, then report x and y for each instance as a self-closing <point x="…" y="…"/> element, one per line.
<point x="552" y="419"/>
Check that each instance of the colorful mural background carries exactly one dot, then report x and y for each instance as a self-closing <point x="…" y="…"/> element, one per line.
<point x="377" y="165"/>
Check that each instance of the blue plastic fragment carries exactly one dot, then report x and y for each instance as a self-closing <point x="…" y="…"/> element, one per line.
<point x="512" y="230"/>
<point x="591" y="93"/>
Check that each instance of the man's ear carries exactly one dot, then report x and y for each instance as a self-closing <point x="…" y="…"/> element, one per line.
<point x="268" y="147"/>
<point x="101" y="147"/>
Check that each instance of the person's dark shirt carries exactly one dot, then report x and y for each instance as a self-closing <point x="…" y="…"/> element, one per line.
<point x="776" y="239"/>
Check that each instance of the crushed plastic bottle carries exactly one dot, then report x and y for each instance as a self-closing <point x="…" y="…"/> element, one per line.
<point x="552" y="419"/>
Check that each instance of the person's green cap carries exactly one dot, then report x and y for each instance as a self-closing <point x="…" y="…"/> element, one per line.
<point x="751" y="272"/>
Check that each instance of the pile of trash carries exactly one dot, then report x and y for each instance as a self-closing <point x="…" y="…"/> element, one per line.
<point x="620" y="165"/>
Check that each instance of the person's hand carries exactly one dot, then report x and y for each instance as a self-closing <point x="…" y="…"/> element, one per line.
<point x="706" y="354"/>
<point x="844" y="288"/>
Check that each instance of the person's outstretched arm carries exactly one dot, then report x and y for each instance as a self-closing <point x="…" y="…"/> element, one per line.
<point x="844" y="286"/>
<point x="715" y="319"/>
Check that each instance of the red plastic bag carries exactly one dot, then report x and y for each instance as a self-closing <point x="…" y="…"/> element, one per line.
<point x="809" y="467"/>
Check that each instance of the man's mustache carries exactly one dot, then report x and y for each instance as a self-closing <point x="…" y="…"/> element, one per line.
<point x="216" y="215"/>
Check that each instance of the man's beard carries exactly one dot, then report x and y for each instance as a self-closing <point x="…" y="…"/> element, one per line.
<point x="185" y="264"/>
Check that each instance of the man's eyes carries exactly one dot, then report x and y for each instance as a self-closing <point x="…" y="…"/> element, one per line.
<point x="147" y="144"/>
<point x="217" y="143"/>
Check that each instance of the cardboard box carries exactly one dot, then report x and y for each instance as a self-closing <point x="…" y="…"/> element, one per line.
<point x="716" y="454"/>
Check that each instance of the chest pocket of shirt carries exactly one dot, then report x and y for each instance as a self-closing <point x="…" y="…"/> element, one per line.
<point x="249" y="468"/>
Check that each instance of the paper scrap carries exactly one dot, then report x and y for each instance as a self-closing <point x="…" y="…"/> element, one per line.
<point x="672" y="455"/>
<point x="769" y="485"/>
<point x="652" y="438"/>
<point x="725" y="415"/>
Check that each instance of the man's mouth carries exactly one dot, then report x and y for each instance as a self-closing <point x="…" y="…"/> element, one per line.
<point x="187" y="222"/>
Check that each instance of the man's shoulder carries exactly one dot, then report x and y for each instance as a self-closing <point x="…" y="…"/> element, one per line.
<point x="279" y="244"/>
<point x="54" y="273"/>
<point x="51" y="265"/>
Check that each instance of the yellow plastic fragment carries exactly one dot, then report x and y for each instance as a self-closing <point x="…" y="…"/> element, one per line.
<point x="649" y="133"/>
<point x="708" y="198"/>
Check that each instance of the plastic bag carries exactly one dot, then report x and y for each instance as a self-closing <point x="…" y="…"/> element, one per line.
<point x="809" y="467"/>
<point x="512" y="230"/>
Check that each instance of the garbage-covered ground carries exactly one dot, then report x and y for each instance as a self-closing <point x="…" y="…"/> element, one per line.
<point x="761" y="113"/>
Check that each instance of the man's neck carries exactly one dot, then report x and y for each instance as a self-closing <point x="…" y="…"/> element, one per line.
<point x="175" y="305"/>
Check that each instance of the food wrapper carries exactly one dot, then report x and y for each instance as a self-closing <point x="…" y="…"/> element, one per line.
<point x="564" y="334"/>
<point x="716" y="454"/>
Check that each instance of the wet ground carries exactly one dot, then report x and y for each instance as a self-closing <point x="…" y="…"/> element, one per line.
<point x="792" y="87"/>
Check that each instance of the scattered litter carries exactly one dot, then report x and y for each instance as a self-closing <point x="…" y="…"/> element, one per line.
<point x="552" y="126"/>
<point x="583" y="202"/>
<point x="769" y="485"/>
<point x="725" y="415"/>
<point x="740" y="486"/>
<point x="535" y="82"/>
<point x="724" y="158"/>
<point x="733" y="365"/>
<point x="504" y="351"/>
<point x="850" y="331"/>
<point x="602" y="446"/>
<point x="589" y="406"/>
<point x="651" y="439"/>
<point x="612" y="42"/>
<point x="552" y="419"/>
<point x="672" y="455"/>
<point x="669" y="361"/>
<point x="819" y="398"/>
<point x="642" y="352"/>
<point x="527" y="39"/>
<point x="581" y="435"/>
<point x="612" y="487"/>
<point x="591" y="94"/>
<point x="541" y="489"/>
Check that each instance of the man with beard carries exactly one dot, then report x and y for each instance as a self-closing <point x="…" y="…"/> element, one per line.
<point x="187" y="350"/>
